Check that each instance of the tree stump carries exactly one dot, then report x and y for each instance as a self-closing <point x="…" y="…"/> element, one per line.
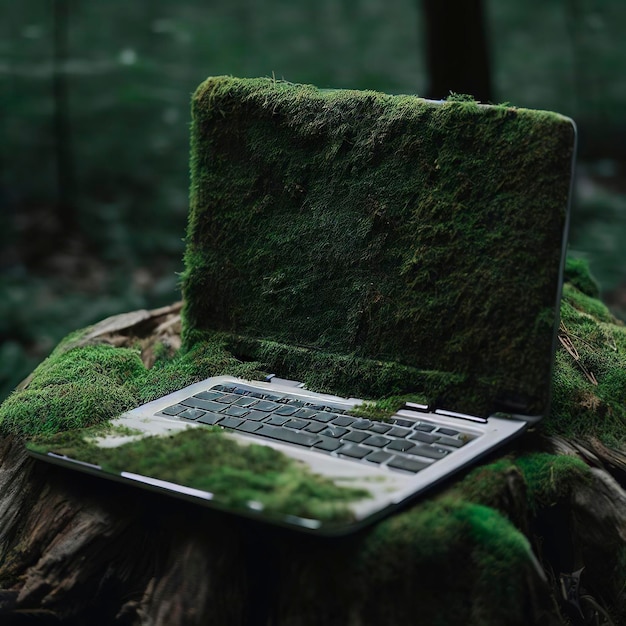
<point x="78" y="549"/>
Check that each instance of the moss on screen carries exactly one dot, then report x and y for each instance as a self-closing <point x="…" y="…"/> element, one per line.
<point x="364" y="228"/>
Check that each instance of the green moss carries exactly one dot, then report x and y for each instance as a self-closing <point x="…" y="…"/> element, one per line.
<point x="203" y="360"/>
<point x="382" y="228"/>
<point x="445" y="537"/>
<point x="78" y="387"/>
<point x="204" y="458"/>
<point x="74" y="389"/>
<point x="578" y="274"/>
<point x="586" y="304"/>
<point x="349" y="375"/>
<point x="550" y="478"/>
<point x="486" y="484"/>
<point x="589" y="380"/>
<point x="461" y="97"/>
<point x="77" y="443"/>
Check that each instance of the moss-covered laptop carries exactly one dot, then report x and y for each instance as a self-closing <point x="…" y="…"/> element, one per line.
<point x="379" y="247"/>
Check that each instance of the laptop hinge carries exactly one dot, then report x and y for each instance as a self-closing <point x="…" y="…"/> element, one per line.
<point x="423" y="408"/>
<point x="463" y="416"/>
<point x="415" y="406"/>
<point x="272" y="378"/>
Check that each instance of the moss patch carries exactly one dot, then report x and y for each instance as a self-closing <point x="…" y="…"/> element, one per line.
<point x="577" y="273"/>
<point x="385" y="229"/>
<point x="589" y="390"/>
<point x="474" y="559"/>
<point x="74" y="389"/>
<point x="204" y="458"/>
<point x="550" y="478"/>
<point x="85" y="386"/>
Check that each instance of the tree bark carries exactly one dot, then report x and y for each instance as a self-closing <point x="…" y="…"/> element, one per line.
<point x="457" y="49"/>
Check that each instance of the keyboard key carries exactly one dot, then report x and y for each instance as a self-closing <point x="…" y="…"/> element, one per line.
<point x="288" y="435"/>
<point x="208" y="395"/>
<point x="205" y="405"/>
<point x="334" y="431"/>
<point x="240" y="391"/>
<point x="378" y="456"/>
<point x="361" y="424"/>
<point x="231" y="422"/>
<point x="356" y="436"/>
<point x="296" y="424"/>
<point x="246" y="401"/>
<point x="328" y="443"/>
<point x="405" y="423"/>
<point x="354" y="451"/>
<point x="447" y="431"/>
<point x="256" y="416"/>
<point x="225" y="388"/>
<point x="453" y="442"/>
<point x="191" y="414"/>
<point x="175" y="409"/>
<point x="379" y="428"/>
<point x="286" y="409"/>
<point x="430" y="452"/>
<point x="423" y="437"/>
<point x="211" y="419"/>
<point x="400" y="445"/>
<point x="377" y="441"/>
<point x="273" y="397"/>
<point x="229" y="398"/>
<point x="409" y="465"/>
<point x="236" y="411"/>
<point x="324" y="417"/>
<point x="266" y="405"/>
<point x="277" y="420"/>
<point x="305" y="413"/>
<point x="296" y="403"/>
<point x="425" y="427"/>
<point x="342" y="420"/>
<point x="249" y="427"/>
<point x="315" y="427"/>
<point x="396" y="431"/>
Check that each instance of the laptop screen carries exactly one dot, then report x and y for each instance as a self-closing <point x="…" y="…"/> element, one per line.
<point x="390" y="229"/>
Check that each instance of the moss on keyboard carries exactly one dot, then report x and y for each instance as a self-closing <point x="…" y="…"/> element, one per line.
<point x="204" y="458"/>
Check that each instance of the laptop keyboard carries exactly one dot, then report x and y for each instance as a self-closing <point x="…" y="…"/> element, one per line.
<point x="399" y="444"/>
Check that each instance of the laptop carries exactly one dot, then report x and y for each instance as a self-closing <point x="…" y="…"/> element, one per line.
<point x="388" y="268"/>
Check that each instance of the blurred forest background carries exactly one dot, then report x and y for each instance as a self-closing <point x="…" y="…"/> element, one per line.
<point x="94" y="101"/>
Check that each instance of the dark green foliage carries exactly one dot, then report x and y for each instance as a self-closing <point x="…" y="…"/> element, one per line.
<point x="358" y="217"/>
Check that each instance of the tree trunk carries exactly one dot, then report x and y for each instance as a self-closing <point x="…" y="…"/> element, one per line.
<point x="457" y="50"/>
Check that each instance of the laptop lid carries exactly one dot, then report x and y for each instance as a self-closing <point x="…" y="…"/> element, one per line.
<point x="373" y="244"/>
